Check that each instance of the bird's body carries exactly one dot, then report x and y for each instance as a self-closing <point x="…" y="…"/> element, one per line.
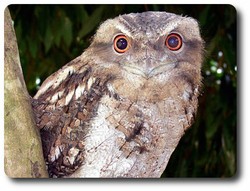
<point x="120" y="109"/>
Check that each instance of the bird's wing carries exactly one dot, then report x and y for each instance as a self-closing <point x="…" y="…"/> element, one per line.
<point x="63" y="107"/>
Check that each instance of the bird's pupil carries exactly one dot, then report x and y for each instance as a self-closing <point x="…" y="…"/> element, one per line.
<point x="173" y="41"/>
<point x="122" y="43"/>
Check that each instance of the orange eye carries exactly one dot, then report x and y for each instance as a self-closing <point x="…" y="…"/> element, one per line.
<point x="174" y="41"/>
<point x="121" y="43"/>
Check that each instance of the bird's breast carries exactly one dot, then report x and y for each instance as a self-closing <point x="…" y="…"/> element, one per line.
<point x="136" y="88"/>
<point x="130" y="138"/>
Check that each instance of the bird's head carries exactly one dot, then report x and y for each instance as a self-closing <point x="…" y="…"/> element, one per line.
<point x="149" y="43"/>
<point x="149" y="46"/>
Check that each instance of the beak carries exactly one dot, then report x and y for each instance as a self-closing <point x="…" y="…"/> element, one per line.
<point x="148" y="68"/>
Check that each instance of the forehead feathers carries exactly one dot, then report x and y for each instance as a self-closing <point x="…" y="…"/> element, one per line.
<point x="148" y="25"/>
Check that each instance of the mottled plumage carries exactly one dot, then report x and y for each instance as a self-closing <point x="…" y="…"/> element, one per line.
<point x="121" y="114"/>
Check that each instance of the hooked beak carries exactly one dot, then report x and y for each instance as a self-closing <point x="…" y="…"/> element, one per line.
<point x="148" y="68"/>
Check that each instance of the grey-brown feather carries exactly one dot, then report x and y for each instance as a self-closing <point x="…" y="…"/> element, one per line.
<point x="106" y="114"/>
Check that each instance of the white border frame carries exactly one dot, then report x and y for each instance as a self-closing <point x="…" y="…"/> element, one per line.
<point x="240" y="181"/>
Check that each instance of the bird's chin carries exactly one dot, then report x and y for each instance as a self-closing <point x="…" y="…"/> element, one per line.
<point x="147" y="72"/>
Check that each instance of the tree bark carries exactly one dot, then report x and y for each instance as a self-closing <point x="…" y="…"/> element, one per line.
<point x="23" y="156"/>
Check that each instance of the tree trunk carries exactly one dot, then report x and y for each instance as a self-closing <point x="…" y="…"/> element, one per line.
<point x="23" y="156"/>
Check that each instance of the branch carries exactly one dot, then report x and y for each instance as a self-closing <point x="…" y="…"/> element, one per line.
<point x="23" y="156"/>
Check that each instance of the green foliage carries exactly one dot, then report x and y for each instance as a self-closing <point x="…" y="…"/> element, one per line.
<point x="49" y="36"/>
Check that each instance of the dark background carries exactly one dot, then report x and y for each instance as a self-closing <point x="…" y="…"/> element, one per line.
<point x="49" y="36"/>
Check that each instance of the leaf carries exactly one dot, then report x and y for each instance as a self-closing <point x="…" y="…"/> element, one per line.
<point x="67" y="31"/>
<point x="91" y="22"/>
<point x="204" y="15"/>
<point x="48" y="39"/>
<point x="32" y="48"/>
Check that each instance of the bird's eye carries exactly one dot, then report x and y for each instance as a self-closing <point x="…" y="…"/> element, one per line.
<point x="174" y="41"/>
<point x="121" y="43"/>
